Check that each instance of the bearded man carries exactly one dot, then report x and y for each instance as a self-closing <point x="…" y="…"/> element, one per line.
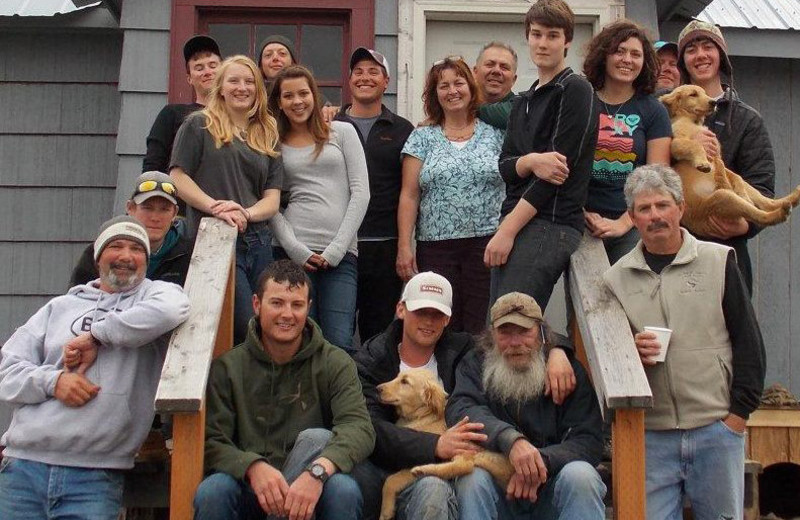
<point x="553" y="447"/>
<point x="74" y="429"/>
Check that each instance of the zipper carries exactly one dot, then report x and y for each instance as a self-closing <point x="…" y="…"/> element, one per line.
<point x="667" y="367"/>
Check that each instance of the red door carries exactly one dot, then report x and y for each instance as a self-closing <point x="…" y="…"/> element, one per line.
<point x="324" y="37"/>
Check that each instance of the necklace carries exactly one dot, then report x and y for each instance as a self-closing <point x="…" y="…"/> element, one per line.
<point x="463" y="133"/>
<point x="608" y="110"/>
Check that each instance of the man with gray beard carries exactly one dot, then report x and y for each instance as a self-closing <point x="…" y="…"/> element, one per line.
<point x="82" y="374"/>
<point x="553" y="448"/>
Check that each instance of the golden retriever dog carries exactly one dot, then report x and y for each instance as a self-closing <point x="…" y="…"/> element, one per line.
<point x="709" y="188"/>
<point x="420" y="400"/>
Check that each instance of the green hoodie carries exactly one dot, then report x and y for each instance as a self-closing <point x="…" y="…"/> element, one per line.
<point x="256" y="408"/>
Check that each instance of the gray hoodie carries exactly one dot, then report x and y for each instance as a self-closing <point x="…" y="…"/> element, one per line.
<point x="106" y="432"/>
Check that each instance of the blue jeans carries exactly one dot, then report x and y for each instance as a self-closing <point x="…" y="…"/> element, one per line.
<point x="221" y="497"/>
<point x="33" y="490"/>
<point x="575" y="493"/>
<point x="333" y="300"/>
<point x="540" y="255"/>
<point x="253" y="255"/>
<point x="705" y="464"/>
<point x="428" y="498"/>
<point x="618" y="247"/>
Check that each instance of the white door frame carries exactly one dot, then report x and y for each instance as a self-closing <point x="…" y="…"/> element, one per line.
<point x="412" y="24"/>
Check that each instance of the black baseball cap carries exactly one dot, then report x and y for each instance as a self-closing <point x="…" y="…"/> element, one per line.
<point x="199" y="43"/>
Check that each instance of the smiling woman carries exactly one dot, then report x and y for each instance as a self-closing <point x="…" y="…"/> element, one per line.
<point x="224" y="164"/>
<point x="634" y="128"/>
<point x="452" y="192"/>
<point x="328" y="194"/>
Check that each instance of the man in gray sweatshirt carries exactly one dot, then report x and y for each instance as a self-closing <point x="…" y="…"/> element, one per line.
<point x="75" y="428"/>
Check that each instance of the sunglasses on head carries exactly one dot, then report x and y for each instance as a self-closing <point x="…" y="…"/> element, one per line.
<point x="147" y="186"/>
<point x="448" y="59"/>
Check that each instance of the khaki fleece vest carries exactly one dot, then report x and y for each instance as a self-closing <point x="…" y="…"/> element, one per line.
<point x="692" y="387"/>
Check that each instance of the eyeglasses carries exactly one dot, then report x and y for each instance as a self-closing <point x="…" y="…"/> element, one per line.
<point x="448" y="59"/>
<point x="147" y="186"/>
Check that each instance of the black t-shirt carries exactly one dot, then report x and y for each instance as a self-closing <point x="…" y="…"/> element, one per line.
<point x="622" y="136"/>
<point x="232" y="172"/>
<point x="162" y="135"/>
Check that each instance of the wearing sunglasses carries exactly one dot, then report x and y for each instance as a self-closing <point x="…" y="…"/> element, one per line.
<point x="147" y="186"/>
<point x="448" y="59"/>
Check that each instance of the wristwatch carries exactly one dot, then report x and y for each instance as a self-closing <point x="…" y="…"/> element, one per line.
<point x="318" y="471"/>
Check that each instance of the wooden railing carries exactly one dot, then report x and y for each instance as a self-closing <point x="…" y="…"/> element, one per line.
<point x="601" y="332"/>
<point x="207" y="333"/>
<point x="604" y="340"/>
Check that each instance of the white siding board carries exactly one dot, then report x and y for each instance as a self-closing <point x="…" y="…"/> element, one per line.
<point x="58" y="109"/>
<point x="54" y="214"/>
<point x="137" y="114"/>
<point x="146" y="14"/>
<point x="57" y="160"/>
<point x="41" y="56"/>
<point x="790" y="314"/>
<point x="145" y="62"/>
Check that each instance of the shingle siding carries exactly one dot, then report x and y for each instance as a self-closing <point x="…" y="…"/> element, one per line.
<point x="59" y="112"/>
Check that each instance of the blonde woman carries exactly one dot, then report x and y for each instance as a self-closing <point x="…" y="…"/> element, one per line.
<point x="225" y="163"/>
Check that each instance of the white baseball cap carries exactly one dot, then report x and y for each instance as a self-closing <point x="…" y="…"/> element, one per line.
<point x="429" y="291"/>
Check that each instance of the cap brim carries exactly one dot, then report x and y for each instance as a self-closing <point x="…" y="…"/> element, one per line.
<point x="138" y="199"/>
<point x="415" y="305"/>
<point x="517" y="319"/>
<point x="200" y="43"/>
<point x="668" y="46"/>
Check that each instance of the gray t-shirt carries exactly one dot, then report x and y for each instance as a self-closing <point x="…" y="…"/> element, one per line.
<point x="232" y="172"/>
<point x="364" y="124"/>
<point x="328" y="197"/>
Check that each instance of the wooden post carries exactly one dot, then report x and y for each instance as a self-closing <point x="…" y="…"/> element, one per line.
<point x="224" y="340"/>
<point x="580" y="349"/>
<point x="188" y="433"/>
<point x="628" y="467"/>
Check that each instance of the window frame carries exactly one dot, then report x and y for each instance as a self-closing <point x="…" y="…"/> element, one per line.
<point x="190" y="17"/>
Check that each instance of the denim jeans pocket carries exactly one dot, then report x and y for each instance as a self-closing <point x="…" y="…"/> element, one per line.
<point x="729" y="430"/>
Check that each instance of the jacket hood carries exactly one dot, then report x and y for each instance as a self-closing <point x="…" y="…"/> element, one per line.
<point x="313" y="340"/>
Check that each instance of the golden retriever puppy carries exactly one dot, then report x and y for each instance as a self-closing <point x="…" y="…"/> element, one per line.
<point x="420" y="400"/>
<point x="709" y="188"/>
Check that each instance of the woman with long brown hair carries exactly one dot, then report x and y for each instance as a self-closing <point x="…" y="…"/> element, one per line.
<point x="452" y="192"/>
<point x="225" y="164"/>
<point x="328" y="192"/>
<point x="634" y="128"/>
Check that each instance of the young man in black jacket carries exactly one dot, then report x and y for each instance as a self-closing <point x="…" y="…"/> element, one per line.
<point x="739" y="134"/>
<point x="383" y="134"/>
<point x="202" y="59"/>
<point x="154" y="204"/>
<point x="546" y="161"/>
<point x="418" y="339"/>
<point x="553" y="447"/>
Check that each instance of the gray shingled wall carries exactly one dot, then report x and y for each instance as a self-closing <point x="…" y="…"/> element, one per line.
<point x="59" y="109"/>
<point x="769" y="85"/>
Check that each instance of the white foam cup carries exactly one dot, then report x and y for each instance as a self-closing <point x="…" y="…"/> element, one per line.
<point x="662" y="336"/>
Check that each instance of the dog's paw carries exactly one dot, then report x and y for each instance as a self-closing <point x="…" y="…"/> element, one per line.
<point x="703" y="167"/>
<point x="387" y="514"/>
<point x="418" y="471"/>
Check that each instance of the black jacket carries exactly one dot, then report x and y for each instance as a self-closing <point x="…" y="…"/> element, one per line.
<point x="162" y="135"/>
<point x="562" y="433"/>
<point x="560" y="116"/>
<point x="382" y="148"/>
<point x="378" y="362"/>
<point x="172" y="269"/>
<point x="746" y="150"/>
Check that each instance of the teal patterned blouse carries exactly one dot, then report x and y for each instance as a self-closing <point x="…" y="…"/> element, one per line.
<point x="460" y="189"/>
